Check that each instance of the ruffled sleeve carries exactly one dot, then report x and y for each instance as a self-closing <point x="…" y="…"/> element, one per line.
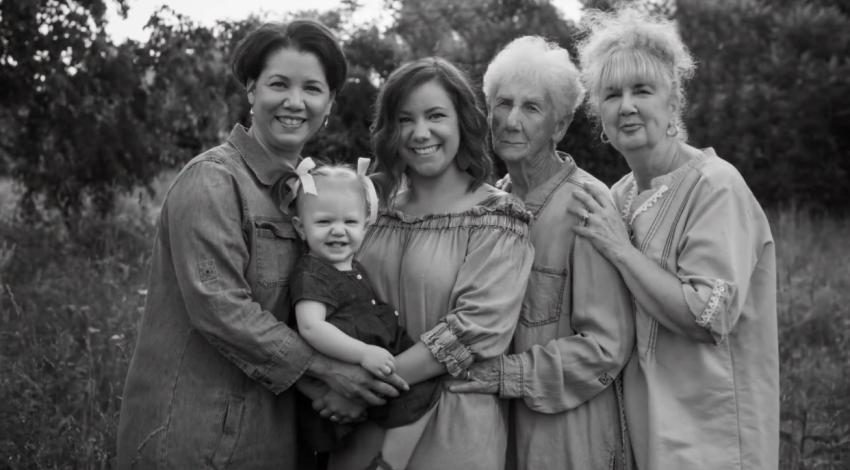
<point x="488" y="291"/>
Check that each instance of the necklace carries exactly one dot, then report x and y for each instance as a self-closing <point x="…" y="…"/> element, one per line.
<point x="680" y="159"/>
<point x="627" y="208"/>
<point x="628" y="216"/>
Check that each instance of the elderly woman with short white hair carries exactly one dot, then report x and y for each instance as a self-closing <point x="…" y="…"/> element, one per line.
<point x="576" y="330"/>
<point x="695" y="249"/>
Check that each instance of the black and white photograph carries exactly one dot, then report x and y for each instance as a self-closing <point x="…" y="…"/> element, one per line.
<point x="425" y="234"/>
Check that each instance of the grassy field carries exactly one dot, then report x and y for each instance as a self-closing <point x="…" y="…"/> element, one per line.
<point x="69" y="305"/>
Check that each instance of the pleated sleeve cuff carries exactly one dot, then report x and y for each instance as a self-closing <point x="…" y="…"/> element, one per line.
<point x="447" y="349"/>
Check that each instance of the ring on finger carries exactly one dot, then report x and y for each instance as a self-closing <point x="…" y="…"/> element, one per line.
<point x="584" y="217"/>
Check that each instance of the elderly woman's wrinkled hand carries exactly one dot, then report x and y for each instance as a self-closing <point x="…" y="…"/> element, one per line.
<point x="481" y="377"/>
<point x="339" y="409"/>
<point x="600" y="221"/>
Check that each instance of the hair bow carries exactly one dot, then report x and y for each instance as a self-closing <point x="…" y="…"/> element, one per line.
<point x="303" y="178"/>
<point x="371" y="194"/>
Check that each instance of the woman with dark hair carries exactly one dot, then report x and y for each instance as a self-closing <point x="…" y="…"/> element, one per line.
<point x="472" y="155"/>
<point x="451" y="252"/>
<point x="210" y="382"/>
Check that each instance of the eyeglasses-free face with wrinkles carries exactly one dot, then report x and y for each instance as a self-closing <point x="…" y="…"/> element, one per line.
<point x="635" y="113"/>
<point x="522" y="122"/>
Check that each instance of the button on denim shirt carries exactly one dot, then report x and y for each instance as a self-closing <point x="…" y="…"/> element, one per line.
<point x="210" y="382"/>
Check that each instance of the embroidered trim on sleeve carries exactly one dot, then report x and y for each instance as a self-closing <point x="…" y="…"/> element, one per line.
<point x="717" y="298"/>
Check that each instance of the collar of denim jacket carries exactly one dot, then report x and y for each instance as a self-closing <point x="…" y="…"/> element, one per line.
<point x="266" y="168"/>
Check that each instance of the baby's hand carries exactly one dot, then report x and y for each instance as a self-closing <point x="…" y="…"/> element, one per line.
<point x="378" y="361"/>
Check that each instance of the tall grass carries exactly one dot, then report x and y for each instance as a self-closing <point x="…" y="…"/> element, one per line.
<point x="814" y="339"/>
<point x="70" y="303"/>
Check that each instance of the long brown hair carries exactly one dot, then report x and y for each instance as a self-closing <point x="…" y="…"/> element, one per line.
<point x="473" y="155"/>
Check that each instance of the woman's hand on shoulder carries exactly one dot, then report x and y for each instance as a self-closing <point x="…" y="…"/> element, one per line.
<point x="600" y="221"/>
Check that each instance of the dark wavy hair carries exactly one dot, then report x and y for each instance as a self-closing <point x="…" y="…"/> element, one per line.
<point x="473" y="155"/>
<point x="250" y="55"/>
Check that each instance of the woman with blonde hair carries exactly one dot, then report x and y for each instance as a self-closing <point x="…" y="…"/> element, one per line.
<point x="694" y="248"/>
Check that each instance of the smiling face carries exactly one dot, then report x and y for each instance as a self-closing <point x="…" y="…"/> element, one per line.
<point x="635" y="103"/>
<point x="635" y="115"/>
<point x="290" y="100"/>
<point x="333" y="222"/>
<point x="430" y="133"/>
<point x="523" y="123"/>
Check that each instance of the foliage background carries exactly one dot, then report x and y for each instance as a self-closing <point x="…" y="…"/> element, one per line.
<point x="91" y="131"/>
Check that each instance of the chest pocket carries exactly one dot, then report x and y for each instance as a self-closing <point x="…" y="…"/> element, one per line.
<point x="276" y="247"/>
<point x="545" y="296"/>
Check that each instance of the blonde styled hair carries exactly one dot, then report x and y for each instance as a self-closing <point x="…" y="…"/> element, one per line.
<point x="628" y="43"/>
<point x="542" y="63"/>
<point x="337" y="172"/>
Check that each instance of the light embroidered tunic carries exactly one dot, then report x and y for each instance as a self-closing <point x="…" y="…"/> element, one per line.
<point x="575" y="334"/>
<point x="695" y="405"/>
<point x="457" y="281"/>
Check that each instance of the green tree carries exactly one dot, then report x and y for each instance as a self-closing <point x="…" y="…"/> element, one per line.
<point x="194" y="98"/>
<point x="82" y="118"/>
<point x="77" y="101"/>
<point x="88" y="118"/>
<point x="772" y="94"/>
<point x="198" y="100"/>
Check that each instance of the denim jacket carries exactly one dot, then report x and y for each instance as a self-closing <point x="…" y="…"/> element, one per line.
<point x="210" y="382"/>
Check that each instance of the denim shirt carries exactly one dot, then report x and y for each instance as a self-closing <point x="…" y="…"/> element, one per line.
<point x="210" y="382"/>
<point x="575" y="334"/>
